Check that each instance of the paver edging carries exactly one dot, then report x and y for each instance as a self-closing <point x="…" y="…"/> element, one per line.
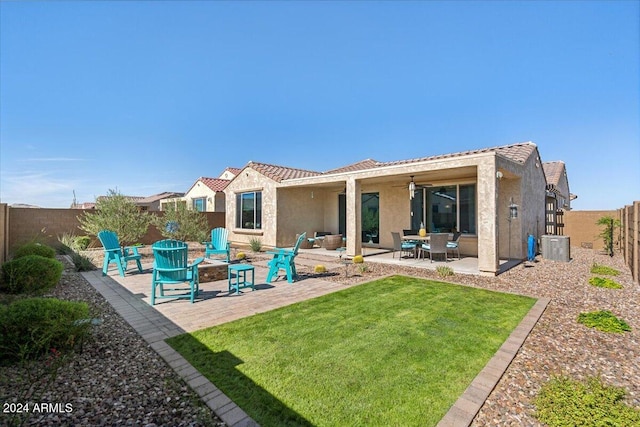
<point x="215" y="399"/>
<point x="464" y="410"/>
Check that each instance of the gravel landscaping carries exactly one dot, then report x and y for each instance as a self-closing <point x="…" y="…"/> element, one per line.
<point x="119" y="380"/>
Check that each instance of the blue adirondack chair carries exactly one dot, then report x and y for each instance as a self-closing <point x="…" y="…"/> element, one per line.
<point x="172" y="271"/>
<point x="284" y="259"/>
<point x="219" y="243"/>
<point x="113" y="252"/>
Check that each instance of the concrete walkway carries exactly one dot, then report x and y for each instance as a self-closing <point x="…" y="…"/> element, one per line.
<point x="130" y="298"/>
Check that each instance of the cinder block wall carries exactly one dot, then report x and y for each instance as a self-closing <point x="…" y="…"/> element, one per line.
<point x="582" y="230"/>
<point x="21" y="225"/>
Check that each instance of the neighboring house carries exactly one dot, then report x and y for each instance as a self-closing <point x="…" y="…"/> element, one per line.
<point x="558" y="197"/>
<point x="206" y="194"/>
<point x="471" y="191"/>
<point x="148" y="203"/>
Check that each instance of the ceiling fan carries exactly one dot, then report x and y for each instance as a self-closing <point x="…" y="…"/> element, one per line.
<point x="412" y="186"/>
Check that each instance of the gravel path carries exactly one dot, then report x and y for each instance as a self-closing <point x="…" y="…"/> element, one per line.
<point x="119" y="380"/>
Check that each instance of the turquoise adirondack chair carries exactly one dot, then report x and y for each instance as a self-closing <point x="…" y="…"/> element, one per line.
<point x="284" y="259"/>
<point x="172" y="271"/>
<point x="113" y="252"/>
<point x="219" y="243"/>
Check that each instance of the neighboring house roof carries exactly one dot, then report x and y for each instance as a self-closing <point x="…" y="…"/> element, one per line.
<point x="159" y="196"/>
<point x="215" y="184"/>
<point x="234" y="171"/>
<point x="280" y="173"/>
<point x="554" y="171"/>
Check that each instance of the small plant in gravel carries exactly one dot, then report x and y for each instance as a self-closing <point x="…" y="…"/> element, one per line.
<point x="565" y="402"/>
<point x="363" y="268"/>
<point x="82" y="263"/>
<point x="604" y="282"/>
<point x="241" y="255"/>
<point x="30" y="274"/>
<point x="444" y="271"/>
<point x="35" y="249"/>
<point x="358" y="259"/>
<point x="603" y="269"/>
<point x="255" y="244"/>
<point x="30" y="327"/>
<point x="604" y="321"/>
<point x="319" y="269"/>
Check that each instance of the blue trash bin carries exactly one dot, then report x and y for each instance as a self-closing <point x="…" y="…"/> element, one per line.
<point x="531" y="248"/>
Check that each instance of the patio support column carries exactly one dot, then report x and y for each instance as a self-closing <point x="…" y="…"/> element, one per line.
<point x="488" y="256"/>
<point x="354" y="218"/>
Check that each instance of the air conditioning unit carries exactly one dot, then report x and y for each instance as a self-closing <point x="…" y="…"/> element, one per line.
<point x="556" y="248"/>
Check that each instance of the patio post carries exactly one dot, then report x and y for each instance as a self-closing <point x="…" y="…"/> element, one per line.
<point x="354" y="217"/>
<point x="488" y="257"/>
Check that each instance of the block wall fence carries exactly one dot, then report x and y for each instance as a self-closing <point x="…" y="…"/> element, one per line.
<point x="21" y="225"/>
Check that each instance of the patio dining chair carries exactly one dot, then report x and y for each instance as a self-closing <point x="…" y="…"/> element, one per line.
<point x="113" y="252"/>
<point x="172" y="271"/>
<point x="453" y="244"/>
<point x="399" y="245"/>
<point x="437" y="245"/>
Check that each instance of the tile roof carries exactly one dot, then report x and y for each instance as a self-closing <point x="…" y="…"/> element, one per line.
<point x="280" y="173"/>
<point x="358" y="166"/>
<point x="234" y="171"/>
<point x="516" y="152"/>
<point x="159" y="196"/>
<point x="216" y="184"/>
<point x="554" y="171"/>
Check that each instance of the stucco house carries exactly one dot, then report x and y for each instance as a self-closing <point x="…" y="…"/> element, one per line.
<point x="558" y="198"/>
<point x="472" y="191"/>
<point x="206" y="194"/>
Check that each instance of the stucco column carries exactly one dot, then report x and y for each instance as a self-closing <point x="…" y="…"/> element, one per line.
<point x="354" y="218"/>
<point x="488" y="259"/>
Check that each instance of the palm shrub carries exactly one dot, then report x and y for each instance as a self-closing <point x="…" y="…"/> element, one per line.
<point x="181" y="223"/>
<point x="30" y="274"/>
<point x="35" y="249"/>
<point x="31" y="327"/>
<point x="119" y="214"/>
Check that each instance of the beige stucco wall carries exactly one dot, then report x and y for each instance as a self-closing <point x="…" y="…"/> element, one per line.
<point x="300" y="210"/>
<point x="4" y="225"/>
<point x="200" y="190"/>
<point x="251" y="180"/>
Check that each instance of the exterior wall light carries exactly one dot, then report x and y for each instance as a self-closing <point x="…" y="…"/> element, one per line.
<point x="513" y="210"/>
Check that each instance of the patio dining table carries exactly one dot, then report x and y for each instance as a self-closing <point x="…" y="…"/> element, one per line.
<point x="416" y="238"/>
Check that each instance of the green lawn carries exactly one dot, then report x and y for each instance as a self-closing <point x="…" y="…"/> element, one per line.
<point x="396" y="351"/>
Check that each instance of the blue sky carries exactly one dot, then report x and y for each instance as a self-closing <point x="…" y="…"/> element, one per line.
<point x="146" y="97"/>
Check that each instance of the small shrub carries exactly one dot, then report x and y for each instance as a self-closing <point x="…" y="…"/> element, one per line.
<point x="444" y="271"/>
<point x="319" y="269"/>
<point x="363" y="268"/>
<point x="82" y="263"/>
<point x="255" y="244"/>
<point x="30" y="274"/>
<point x="603" y="282"/>
<point x="31" y="327"/>
<point x="241" y="255"/>
<point x="604" y="321"/>
<point x="35" y="249"/>
<point x="358" y="259"/>
<point x="565" y="402"/>
<point x="82" y="242"/>
<point x="603" y="269"/>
